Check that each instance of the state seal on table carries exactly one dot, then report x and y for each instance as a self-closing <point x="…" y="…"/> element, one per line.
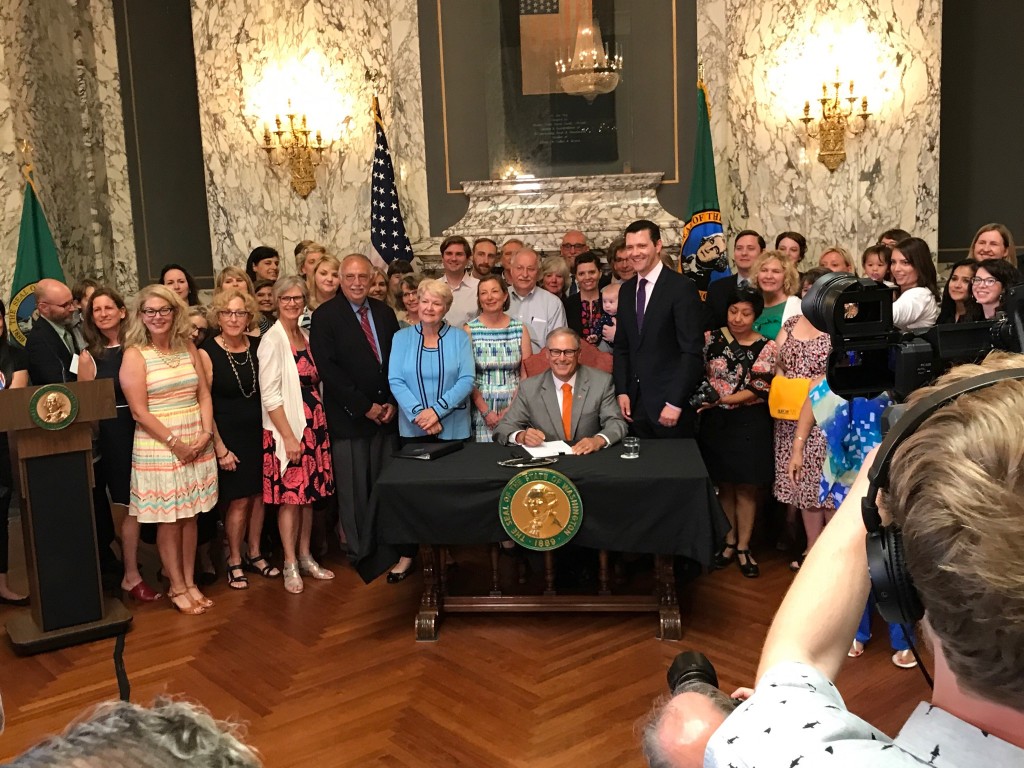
<point x="540" y="509"/>
<point x="53" y="407"/>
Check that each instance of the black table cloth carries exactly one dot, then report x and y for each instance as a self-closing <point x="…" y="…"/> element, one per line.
<point x="661" y="503"/>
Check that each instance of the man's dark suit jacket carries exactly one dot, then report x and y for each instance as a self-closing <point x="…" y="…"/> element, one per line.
<point x="49" y="359"/>
<point x="665" y="362"/>
<point x="717" y="302"/>
<point x="353" y="379"/>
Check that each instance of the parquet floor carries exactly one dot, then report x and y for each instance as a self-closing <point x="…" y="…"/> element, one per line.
<point x="333" y="677"/>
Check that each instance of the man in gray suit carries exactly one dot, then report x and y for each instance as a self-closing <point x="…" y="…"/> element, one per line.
<point x="570" y="402"/>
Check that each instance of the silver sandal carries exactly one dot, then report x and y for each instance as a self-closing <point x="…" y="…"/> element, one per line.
<point x="310" y="567"/>
<point x="292" y="579"/>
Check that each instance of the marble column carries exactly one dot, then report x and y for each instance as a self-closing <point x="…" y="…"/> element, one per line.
<point x="60" y="63"/>
<point x="764" y="59"/>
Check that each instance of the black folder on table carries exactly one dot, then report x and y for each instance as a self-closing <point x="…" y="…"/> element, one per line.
<point x="427" y="451"/>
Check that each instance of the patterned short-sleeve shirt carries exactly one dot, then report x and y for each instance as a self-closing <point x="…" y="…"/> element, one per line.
<point x="797" y="719"/>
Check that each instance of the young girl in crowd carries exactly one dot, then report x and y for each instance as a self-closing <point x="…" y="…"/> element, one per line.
<point x="875" y="263"/>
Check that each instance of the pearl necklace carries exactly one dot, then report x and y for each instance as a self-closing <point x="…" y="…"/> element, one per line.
<point x="171" y="362"/>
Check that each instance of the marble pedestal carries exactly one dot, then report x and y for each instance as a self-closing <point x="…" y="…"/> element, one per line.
<point x="540" y="211"/>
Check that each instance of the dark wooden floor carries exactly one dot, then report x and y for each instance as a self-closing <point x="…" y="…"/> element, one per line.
<point x="333" y="677"/>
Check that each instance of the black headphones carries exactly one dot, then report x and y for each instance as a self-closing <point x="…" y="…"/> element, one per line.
<point x="891" y="584"/>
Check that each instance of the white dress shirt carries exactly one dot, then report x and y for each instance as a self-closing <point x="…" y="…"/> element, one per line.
<point x="464" y="307"/>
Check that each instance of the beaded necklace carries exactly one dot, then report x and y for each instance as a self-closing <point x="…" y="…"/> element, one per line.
<point x="234" y="369"/>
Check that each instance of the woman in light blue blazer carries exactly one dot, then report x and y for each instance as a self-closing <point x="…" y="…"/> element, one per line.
<point x="432" y="371"/>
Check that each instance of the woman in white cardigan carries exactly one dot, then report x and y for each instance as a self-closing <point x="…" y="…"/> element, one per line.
<point x="297" y="468"/>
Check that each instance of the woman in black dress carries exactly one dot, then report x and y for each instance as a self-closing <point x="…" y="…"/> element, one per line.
<point x="103" y="327"/>
<point x="232" y="371"/>
<point x="13" y="375"/>
<point x="736" y="430"/>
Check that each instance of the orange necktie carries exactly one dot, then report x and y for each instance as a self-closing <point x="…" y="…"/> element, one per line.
<point x="567" y="410"/>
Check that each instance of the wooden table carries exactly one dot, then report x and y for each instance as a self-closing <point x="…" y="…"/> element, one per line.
<point x="662" y="503"/>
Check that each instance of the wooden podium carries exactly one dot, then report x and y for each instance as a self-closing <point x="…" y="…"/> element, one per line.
<point x="51" y="436"/>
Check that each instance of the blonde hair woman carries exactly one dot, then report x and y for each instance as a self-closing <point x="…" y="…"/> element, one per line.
<point x="323" y="281"/>
<point x="554" y="276"/>
<point x="231" y="278"/>
<point x="307" y="258"/>
<point x="837" y="259"/>
<point x="993" y="241"/>
<point x="775" y="276"/>
<point x="174" y="472"/>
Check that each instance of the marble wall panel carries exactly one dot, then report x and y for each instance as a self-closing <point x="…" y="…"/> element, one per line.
<point x="42" y="72"/>
<point x="405" y="134"/>
<point x="10" y="181"/>
<point x="61" y="93"/>
<point x="338" y="53"/>
<point x="763" y="59"/>
<point x="118" y="257"/>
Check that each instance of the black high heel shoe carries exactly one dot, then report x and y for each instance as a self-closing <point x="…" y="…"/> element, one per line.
<point x="749" y="568"/>
<point x="721" y="560"/>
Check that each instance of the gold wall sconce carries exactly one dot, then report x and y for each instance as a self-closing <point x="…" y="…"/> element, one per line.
<point x="835" y="122"/>
<point x="290" y="145"/>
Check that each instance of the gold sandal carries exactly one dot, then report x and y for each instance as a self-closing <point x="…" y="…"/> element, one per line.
<point x="192" y="610"/>
<point x="202" y="600"/>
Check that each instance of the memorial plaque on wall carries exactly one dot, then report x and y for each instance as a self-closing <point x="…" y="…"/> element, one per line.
<point x="545" y="126"/>
<point x="494" y="106"/>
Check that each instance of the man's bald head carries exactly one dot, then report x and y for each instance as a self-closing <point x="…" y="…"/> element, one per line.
<point x="677" y="731"/>
<point x="54" y="300"/>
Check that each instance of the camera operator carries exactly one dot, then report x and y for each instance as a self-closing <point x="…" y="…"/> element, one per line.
<point x="956" y="489"/>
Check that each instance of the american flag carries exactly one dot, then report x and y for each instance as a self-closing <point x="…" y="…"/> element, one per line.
<point x="387" y="231"/>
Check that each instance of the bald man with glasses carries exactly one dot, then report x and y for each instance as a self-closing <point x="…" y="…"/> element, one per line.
<point x="53" y="359"/>
<point x="51" y="346"/>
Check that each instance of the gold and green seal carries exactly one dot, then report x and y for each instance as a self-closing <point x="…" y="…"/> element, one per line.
<point x="53" y="407"/>
<point x="540" y="509"/>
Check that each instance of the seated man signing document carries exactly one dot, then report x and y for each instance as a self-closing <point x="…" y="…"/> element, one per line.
<point x="570" y="402"/>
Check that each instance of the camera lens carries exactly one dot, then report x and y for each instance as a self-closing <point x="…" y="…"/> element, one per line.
<point x="819" y="305"/>
<point x="691" y="666"/>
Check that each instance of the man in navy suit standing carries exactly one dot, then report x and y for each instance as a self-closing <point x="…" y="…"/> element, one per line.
<point x="659" y="344"/>
<point x="350" y="338"/>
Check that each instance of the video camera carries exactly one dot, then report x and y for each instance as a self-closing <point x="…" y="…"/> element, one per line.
<point x="870" y="356"/>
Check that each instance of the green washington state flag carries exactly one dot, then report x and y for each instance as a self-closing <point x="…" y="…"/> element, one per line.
<point x="37" y="258"/>
<point x="703" y="258"/>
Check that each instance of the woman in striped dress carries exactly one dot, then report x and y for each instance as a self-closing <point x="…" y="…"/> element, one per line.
<point x="174" y="472"/>
<point x="501" y="345"/>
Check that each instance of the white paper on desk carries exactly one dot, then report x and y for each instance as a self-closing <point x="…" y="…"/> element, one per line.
<point x="549" y="448"/>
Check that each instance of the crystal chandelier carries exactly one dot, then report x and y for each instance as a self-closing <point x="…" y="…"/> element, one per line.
<point x="590" y="71"/>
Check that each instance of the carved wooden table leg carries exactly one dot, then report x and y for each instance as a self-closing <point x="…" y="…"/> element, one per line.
<point x="549" y="573"/>
<point x="602" y="572"/>
<point x="495" y="585"/>
<point x="432" y="602"/>
<point x="670" y="625"/>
